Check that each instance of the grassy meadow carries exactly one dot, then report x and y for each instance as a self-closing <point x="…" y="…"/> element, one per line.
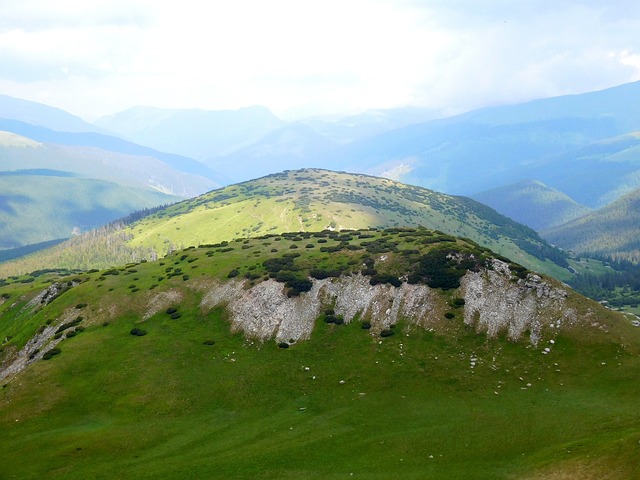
<point x="190" y="399"/>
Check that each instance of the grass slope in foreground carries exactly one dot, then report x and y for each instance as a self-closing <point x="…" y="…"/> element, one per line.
<point x="313" y="200"/>
<point x="190" y="399"/>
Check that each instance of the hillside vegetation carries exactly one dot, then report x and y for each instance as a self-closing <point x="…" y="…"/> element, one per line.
<point x="139" y="372"/>
<point x="307" y="200"/>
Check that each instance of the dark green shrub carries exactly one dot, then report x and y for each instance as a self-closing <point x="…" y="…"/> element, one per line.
<point x="209" y="342"/>
<point x="171" y="310"/>
<point x="71" y="334"/>
<point x="449" y="315"/>
<point x="233" y="273"/>
<point x="366" y="325"/>
<point x="138" y="332"/>
<point x="297" y="286"/>
<point x="385" y="278"/>
<point x="50" y="353"/>
<point x="457" y="302"/>
<point x="81" y="305"/>
<point x="386" y="333"/>
<point x="283" y="345"/>
<point x="176" y="315"/>
<point x="70" y="324"/>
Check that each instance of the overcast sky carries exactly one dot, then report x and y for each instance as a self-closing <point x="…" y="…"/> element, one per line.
<point x="305" y="57"/>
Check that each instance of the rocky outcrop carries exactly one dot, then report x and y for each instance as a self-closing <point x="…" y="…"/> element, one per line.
<point x="494" y="303"/>
<point x="34" y="349"/>
<point x="264" y="311"/>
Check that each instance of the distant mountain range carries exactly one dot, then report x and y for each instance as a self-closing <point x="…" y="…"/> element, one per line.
<point x="533" y="203"/>
<point x="611" y="231"/>
<point x="42" y="115"/>
<point x="61" y="176"/>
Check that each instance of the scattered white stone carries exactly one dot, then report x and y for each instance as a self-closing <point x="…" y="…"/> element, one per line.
<point x="342" y="382"/>
<point x="552" y="341"/>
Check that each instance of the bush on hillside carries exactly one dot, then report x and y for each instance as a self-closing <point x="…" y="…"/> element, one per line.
<point x="138" y="332"/>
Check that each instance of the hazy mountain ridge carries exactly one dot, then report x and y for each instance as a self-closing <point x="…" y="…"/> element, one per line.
<point x="92" y="162"/>
<point x="42" y="115"/>
<point x="109" y="144"/>
<point x="610" y="231"/>
<point x="200" y="134"/>
<point x="50" y="191"/>
<point x="532" y="203"/>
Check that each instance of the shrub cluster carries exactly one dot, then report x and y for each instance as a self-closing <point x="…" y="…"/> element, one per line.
<point x="70" y="324"/>
<point x="51" y="353"/>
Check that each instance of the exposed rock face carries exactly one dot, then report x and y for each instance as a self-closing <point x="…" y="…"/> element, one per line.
<point x="35" y="348"/>
<point x="493" y="303"/>
<point x="265" y="311"/>
<point x="50" y="294"/>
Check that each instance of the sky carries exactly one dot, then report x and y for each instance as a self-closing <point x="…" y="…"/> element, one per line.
<point x="312" y="57"/>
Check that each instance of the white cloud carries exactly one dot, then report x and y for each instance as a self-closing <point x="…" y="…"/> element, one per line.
<point x="312" y="56"/>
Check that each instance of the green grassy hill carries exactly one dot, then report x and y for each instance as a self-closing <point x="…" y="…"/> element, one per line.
<point x="532" y="203"/>
<point x="610" y="231"/>
<point x="153" y="378"/>
<point x="310" y="200"/>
